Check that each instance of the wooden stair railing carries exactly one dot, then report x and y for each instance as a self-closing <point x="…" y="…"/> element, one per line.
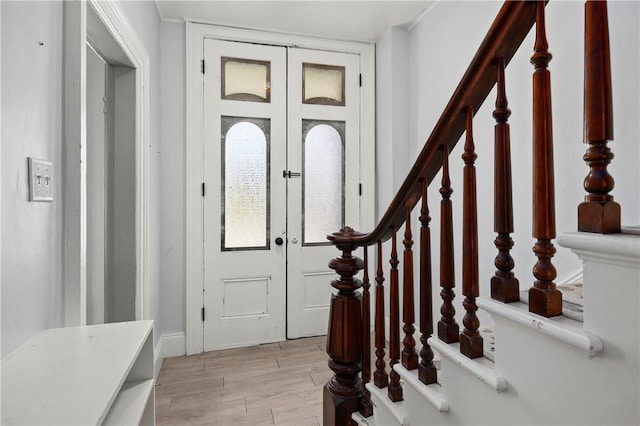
<point x="598" y="213"/>
<point x="349" y="321"/>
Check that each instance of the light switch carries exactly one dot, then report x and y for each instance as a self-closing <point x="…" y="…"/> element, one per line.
<point x="40" y="180"/>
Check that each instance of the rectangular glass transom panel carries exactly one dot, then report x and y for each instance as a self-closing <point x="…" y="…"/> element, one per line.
<point x="245" y="183"/>
<point x="246" y="80"/>
<point x="322" y="84"/>
<point x="322" y="179"/>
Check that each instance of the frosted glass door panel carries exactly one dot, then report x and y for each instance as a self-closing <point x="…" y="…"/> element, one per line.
<point x="245" y="145"/>
<point x="322" y="84"/>
<point x="323" y="180"/>
<point x="246" y="80"/>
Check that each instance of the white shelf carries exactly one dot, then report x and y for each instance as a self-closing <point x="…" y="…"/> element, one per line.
<point x="129" y="406"/>
<point x="78" y="375"/>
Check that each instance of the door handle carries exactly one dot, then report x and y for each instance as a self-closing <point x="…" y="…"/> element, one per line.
<point x="290" y="174"/>
<point x="279" y="241"/>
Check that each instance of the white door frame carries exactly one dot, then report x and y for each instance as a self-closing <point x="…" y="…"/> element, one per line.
<point x="196" y="32"/>
<point x="126" y="48"/>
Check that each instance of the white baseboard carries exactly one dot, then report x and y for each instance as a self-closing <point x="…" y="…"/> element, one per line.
<point x="173" y="344"/>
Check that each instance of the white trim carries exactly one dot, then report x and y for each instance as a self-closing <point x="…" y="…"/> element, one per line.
<point x="617" y="249"/>
<point x="126" y="37"/>
<point x="194" y="255"/>
<point x="381" y="399"/>
<point x="168" y="345"/>
<point x="1" y="145"/>
<point x="75" y="140"/>
<point x="196" y="32"/>
<point x="74" y="176"/>
<point x="558" y="328"/>
<point x="420" y="17"/>
<point x="432" y="393"/>
<point x="486" y="375"/>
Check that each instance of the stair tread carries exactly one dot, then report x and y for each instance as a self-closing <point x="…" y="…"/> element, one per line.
<point x="561" y="327"/>
<point x="572" y="300"/>
<point x="431" y="393"/>
<point x="483" y="368"/>
<point x="395" y="408"/>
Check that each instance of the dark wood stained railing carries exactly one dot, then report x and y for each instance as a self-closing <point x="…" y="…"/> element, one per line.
<point x="544" y="298"/>
<point x="348" y="340"/>
<point x="599" y="213"/>
<point x="505" y="287"/>
<point x="470" y="339"/>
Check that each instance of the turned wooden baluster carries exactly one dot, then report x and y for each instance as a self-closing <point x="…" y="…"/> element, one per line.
<point x="544" y="298"/>
<point x="470" y="339"/>
<point x="395" y="390"/>
<point x="598" y="213"/>
<point x="426" y="369"/>
<point x="380" y="376"/>
<point x="448" y="329"/>
<point x="342" y="393"/>
<point x="366" y="406"/>
<point x="504" y="285"/>
<point x="409" y="355"/>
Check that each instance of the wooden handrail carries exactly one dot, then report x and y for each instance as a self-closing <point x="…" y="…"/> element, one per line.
<point x="506" y="34"/>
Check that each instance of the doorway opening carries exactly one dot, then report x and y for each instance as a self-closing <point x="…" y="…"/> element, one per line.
<point x="106" y="132"/>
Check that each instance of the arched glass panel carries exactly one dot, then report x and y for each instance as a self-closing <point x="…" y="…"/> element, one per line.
<point x="245" y="174"/>
<point x="323" y="180"/>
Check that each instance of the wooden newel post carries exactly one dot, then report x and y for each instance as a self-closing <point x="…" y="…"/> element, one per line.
<point x="598" y="213"/>
<point x="343" y="391"/>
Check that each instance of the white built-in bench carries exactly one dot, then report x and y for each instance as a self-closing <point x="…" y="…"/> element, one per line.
<point x="90" y="375"/>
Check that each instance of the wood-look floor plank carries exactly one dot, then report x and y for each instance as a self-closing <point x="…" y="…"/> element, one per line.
<point x="278" y="383"/>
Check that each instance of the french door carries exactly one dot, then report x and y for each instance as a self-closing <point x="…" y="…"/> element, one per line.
<point x="281" y="170"/>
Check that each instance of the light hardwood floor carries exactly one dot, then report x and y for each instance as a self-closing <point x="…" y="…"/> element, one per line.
<point x="278" y="383"/>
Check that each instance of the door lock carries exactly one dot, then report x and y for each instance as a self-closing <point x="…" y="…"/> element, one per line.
<point x="290" y="174"/>
<point x="279" y="241"/>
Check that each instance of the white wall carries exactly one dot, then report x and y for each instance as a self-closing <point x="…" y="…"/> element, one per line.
<point x="32" y="105"/>
<point x="172" y="164"/>
<point x="32" y="117"/>
<point x="96" y="196"/>
<point x="122" y="291"/>
<point x="394" y="154"/>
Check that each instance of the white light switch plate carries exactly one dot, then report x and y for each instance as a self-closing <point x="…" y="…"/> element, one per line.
<point x="40" y="180"/>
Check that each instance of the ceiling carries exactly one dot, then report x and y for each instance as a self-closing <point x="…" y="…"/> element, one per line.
<point x="347" y="20"/>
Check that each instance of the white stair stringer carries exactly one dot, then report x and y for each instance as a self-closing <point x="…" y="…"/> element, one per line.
<point x="547" y="371"/>
<point x="431" y="393"/>
<point x="385" y="412"/>
<point x="480" y="368"/>
<point x="564" y="330"/>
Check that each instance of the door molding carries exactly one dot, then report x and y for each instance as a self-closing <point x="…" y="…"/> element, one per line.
<point x="195" y="34"/>
<point x="104" y="22"/>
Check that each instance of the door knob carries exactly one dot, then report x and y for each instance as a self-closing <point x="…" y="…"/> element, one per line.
<point x="279" y="241"/>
